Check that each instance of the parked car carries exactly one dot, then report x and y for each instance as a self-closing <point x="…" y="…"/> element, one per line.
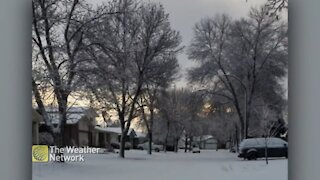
<point x="195" y="149"/>
<point x="255" y="148"/>
<point x="145" y="146"/>
<point x="116" y="145"/>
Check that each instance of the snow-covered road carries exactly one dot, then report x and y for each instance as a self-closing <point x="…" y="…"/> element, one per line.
<point x="208" y="165"/>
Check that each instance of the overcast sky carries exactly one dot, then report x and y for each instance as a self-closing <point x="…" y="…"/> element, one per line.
<point x="185" y="13"/>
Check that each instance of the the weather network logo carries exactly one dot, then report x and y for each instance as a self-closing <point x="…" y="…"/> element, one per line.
<point x="44" y="153"/>
<point x="40" y="153"/>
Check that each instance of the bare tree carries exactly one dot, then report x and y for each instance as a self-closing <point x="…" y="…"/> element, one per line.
<point x="209" y="48"/>
<point x="179" y="111"/>
<point x="58" y="31"/>
<point x="241" y="60"/>
<point x="150" y="95"/>
<point x="147" y="104"/>
<point x="219" y="119"/>
<point x="192" y="106"/>
<point x="268" y="119"/>
<point x="266" y="51"/>
<point x="275" y="7"/>
<point x="130" y="50"/>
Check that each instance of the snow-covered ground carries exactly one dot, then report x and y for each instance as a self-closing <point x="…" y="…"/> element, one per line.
<point x="208" y="165"/>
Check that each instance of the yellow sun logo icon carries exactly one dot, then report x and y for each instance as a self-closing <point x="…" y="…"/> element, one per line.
<point x="40" y="153"/>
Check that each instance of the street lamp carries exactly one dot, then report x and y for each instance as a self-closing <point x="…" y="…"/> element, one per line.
<point x="245" y="102"/>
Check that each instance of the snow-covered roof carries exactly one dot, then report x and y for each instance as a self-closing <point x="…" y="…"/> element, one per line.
<point x="74" y="114"/>
<point x="73" y="109"/>
<point x="207" y="137"/>
<point x="199" y="138"/>
<point x="116" y="130"/>
<point x="72" y="118"/>
<point x="203" y="138"/>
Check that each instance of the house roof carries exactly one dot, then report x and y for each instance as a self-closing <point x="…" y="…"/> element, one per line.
<point x="206" y="137"/>
<point x="74" y="114"/>
<point x="116" y="130"/>
<point x="199" y="138"/>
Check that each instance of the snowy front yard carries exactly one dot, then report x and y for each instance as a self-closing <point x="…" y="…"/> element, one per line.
<point x="208" y="165"/>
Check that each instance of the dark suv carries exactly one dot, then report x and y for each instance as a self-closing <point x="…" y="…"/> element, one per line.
<point x="255" y="148"/>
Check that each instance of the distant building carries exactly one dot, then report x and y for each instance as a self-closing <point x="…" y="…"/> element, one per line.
<point x="80" y="125"/>
<point x="105" y="136"/>
<point x="206" y="142"/>
<point x="203" y="142"/>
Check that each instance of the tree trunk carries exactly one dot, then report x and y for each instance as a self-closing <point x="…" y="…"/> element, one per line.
<point x="236" y="138"/>
<point x="151" y="129"/>
<point x="166" y="138"/>
<point x="186" y="144"/>
<point x="41" y="106"/>
<point x="165" y="143"/>
<point x="266" y="151"/>
<point x="247" y="121"/>
<point x="242" y="132"/>
<point x="58" y="141"/>
<point x="190" y="143"/>
<point x="59" y="136"/>
<point x="236" y="103"/>
<point x="63" y="121"/>
<point x="176" y="145"/>
<point x="122" y="144"/>
<point x="150" y="142"/>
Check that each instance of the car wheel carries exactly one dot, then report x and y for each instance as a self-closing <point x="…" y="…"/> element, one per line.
<point x="156" y="150"/>
<point x="252" y="156"/>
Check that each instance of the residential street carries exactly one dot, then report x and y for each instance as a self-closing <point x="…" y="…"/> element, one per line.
<point x="208" y="165"/>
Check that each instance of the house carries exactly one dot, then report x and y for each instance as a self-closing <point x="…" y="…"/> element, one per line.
<point x="203" y="142"/>
<point x="79" y="128"/>
<point x="105" y="136"/>
<point x="36" y="120"/>
<point x="207" y="142"/>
